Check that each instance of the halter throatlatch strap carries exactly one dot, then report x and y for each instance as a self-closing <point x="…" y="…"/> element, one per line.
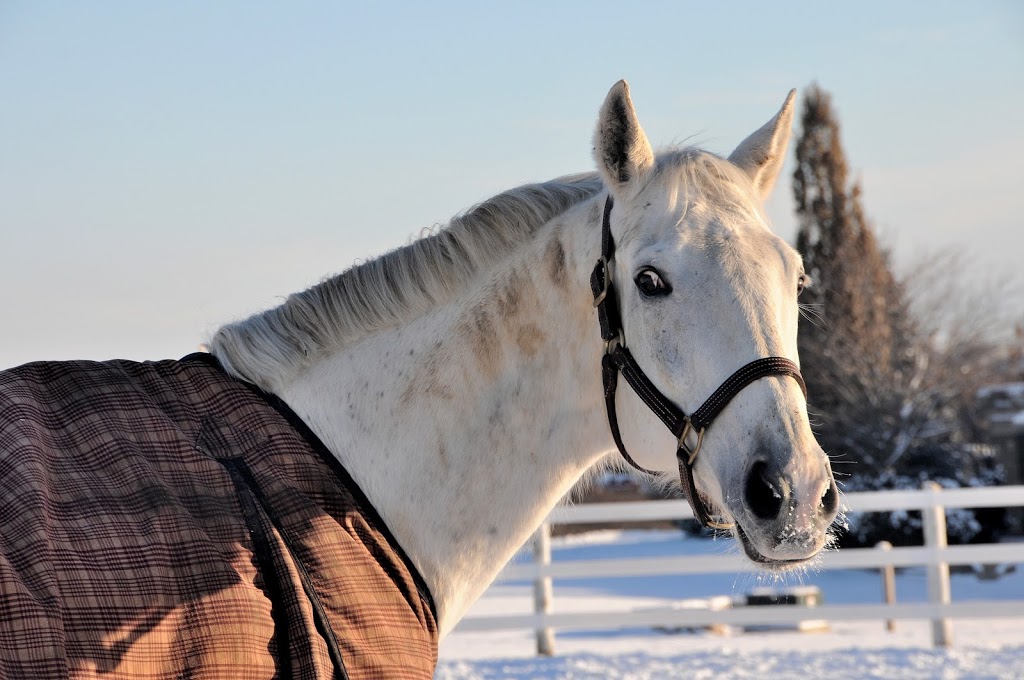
<point x="618" y="359"/>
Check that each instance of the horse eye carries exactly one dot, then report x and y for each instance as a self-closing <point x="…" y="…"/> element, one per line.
<point x="650" y="283"/>
<point x="801" y="283"/>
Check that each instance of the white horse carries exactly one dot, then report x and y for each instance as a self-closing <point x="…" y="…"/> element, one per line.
<point x="459" y="378"/>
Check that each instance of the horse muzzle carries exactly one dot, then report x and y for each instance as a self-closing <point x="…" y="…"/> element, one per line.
<point x="784" y="519"/>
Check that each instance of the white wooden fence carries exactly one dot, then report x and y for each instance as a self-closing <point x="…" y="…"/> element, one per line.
<point x="935" y="555"/>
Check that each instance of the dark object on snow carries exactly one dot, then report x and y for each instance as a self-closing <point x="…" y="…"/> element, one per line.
<point x="796" y="596"/>
<point x="805" y="596"/>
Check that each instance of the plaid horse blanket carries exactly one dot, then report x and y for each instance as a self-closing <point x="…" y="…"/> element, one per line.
<point x="164" y="520"/>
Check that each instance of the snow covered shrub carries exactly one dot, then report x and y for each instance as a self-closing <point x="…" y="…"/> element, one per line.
<point x="952" y="467"/>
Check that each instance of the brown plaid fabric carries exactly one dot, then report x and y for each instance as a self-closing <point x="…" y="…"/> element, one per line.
<point x="163" y="520"/>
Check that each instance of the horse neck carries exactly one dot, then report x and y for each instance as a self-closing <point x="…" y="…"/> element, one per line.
<point x="465" y="427"/>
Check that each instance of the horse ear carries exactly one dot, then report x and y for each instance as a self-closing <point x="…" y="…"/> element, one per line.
<point x="621" y="148"/>
<point x="762" y="154"/>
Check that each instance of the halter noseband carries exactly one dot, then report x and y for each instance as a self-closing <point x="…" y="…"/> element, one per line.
<point x="617" y="358"/>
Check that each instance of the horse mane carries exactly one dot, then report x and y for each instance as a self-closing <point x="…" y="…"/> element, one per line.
<point x="272" y="346"/>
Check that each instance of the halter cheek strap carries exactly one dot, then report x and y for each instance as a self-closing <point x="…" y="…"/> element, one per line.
<point x="618" y="359"/>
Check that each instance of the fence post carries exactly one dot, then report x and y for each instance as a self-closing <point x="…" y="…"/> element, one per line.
<point x="888" y="583"/>
<point x="934" y="520"/>
<point x="542" y="591"/>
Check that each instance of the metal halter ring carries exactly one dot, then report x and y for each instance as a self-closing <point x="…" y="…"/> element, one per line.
<point x="692" y="456"/>
<point x="725" y="526"/>
<point x="617" y="341"/>
<point x="683" y="446"/>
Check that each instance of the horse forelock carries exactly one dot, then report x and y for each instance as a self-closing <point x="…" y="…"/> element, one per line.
<point x="704" y="177"/>
<point x="270" y="347"/>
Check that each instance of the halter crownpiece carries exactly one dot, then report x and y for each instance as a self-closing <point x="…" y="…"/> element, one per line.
<point x="618" y="359"/>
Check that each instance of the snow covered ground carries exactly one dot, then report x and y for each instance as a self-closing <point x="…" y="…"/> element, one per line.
<point x="983" y="648"/>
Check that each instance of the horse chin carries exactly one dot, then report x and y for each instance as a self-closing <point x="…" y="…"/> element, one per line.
<point x="763" y="561"/>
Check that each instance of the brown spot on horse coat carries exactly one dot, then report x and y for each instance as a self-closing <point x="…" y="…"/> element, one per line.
<point x="427" y="380"/>
<point x="509" y="296"/>
<point x="529" y="338"/>
<point x="554" y="258"/>
<point x="479" y="330"/>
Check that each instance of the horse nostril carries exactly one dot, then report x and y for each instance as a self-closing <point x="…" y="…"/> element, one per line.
<point x="830" y="499"/>
<point x="763" y="498"/>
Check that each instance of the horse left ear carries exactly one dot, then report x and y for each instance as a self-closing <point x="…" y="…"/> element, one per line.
<point x="762" y="154"/>
<point x="621" y="149"/>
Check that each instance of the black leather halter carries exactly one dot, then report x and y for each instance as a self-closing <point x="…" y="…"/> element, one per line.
<point x="617" y="358"/>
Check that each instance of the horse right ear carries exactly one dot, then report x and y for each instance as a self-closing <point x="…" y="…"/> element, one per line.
<point x="762" y="154"/>
<point x="621" y="149"/>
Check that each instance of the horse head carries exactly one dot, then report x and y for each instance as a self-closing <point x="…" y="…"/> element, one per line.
<point x="704" y="288"/>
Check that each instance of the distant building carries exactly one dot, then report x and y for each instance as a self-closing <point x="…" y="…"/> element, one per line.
<point x="1001" y="411"/>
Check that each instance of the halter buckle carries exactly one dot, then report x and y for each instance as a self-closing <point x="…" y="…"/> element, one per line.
<point x="617" y="341"/>
<point x="691" y="454"/>
<point x="606" y="269"/>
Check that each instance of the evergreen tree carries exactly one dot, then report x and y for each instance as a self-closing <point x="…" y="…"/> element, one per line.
<point x="890" y="390"/>
<point x="853" y="332"/>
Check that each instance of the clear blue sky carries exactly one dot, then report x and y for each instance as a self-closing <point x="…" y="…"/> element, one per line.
<point x="166" y="167"/>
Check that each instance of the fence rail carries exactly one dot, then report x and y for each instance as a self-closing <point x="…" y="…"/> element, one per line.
<point x="748" y="616"/>
<point x="856" y="558"/>
<point x="935" y="555"/>
<point x="863" y="501"/>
